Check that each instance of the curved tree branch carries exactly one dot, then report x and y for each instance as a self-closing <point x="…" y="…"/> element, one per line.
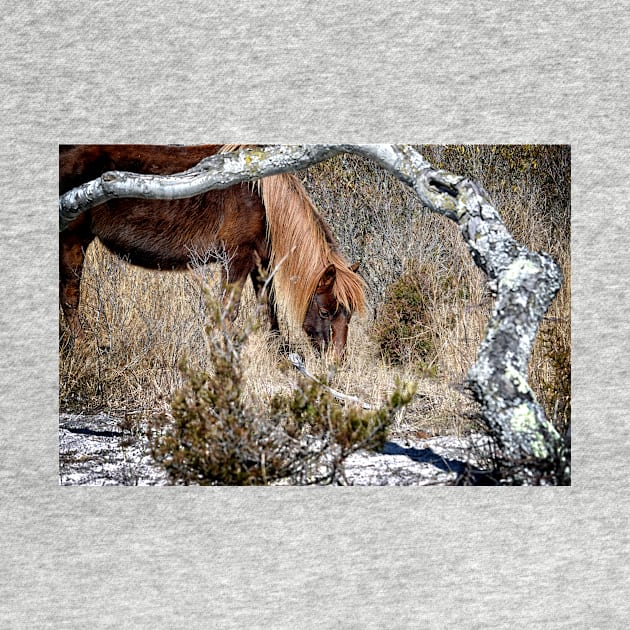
<point x="524" y="282"/>
<point x="221" y="170"/>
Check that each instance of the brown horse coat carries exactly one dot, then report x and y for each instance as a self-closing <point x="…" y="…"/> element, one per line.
<point x="258" y="226"/>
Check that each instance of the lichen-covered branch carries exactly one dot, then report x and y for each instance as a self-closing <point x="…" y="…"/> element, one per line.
<point x="524" y="282"/>
<point x="215" y="172"/>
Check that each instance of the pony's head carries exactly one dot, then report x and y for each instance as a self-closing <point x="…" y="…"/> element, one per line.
<point x="313" y="280"/>
<point x="326" y="320"/>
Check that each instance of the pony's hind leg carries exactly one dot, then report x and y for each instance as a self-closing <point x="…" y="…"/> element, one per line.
<point x="71" y="258"/>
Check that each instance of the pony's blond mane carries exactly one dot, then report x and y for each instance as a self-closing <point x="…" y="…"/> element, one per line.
<point x="302" y="247"/>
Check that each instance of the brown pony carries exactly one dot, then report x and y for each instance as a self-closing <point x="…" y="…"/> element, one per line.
<point x="261" y="226"/>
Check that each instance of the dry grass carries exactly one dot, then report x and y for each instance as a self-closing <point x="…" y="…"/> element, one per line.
<point x="139" y="324"/>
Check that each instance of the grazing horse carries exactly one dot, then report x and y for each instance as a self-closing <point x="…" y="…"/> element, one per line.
<point x="262" y="226"/>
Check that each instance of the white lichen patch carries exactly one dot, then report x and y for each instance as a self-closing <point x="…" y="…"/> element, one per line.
<point x="523" y="420"/>
<point x="488" y="212"/>
<point x="516" y="271"/>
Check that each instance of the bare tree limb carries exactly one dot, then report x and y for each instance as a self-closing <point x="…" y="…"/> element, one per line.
<point x="524" y="282"/>
<point x="298" y="363"/>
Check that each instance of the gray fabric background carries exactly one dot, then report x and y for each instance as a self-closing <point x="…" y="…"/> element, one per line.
<point x="322" y="557"/>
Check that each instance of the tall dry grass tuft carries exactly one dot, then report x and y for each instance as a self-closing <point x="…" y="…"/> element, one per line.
<point x="139" y="324"/>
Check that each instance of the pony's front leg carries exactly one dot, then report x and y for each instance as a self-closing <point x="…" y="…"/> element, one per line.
<point x="233" y="281"/>
<point x="258" y="282"/>
<point x="231" y="300"/>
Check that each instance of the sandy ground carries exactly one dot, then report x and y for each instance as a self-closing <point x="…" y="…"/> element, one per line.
<point x="94" y="450"/>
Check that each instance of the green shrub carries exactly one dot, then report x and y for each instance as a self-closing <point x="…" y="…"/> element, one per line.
<point x="403" y="325"/>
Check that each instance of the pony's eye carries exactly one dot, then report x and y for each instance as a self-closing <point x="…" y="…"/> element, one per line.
<point x="324" y="313"/>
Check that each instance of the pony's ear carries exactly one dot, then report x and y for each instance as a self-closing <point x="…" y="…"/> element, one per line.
<point x="327" y="279"/>
<point x="355" y="267"/>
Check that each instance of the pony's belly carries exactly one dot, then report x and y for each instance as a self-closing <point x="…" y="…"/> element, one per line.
<point x="153" y="236"/>
<point x="147" y="257"/>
